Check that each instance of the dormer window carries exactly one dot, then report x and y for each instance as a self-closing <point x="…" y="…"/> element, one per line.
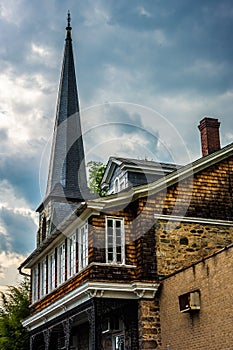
<point x="122" y="184"/>
<point x="119" y="184"/>
<point x="116" y="185"/>
<point x="115" y="240"/>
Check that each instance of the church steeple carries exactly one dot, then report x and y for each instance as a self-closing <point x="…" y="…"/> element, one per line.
<point x="67" y="172"/>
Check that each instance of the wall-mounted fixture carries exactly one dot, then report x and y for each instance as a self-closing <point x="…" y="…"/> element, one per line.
<point x="190" y="301"/>
<point x="111" y="325"/>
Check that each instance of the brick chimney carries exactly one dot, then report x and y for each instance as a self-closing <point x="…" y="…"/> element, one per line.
<point x="210" y="139"/>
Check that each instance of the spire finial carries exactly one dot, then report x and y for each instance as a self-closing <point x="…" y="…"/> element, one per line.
<point x="68" y="19"/>
<point x="68" y="28"/>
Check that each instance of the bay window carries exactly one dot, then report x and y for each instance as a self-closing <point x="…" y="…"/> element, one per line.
<point x="43" y="277"/>
<point x="35" y="283"/>
<point x="72" y="255"/>
<point x="61" y="263"/>
<point x="83" y="246"/>
<point x="51" y="271"/>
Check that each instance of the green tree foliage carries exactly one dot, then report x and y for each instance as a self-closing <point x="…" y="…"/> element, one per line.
<point x="14" y="308"/>
<point x="96" y="171"/>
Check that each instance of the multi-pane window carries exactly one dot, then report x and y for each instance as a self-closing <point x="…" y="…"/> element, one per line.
<point x="119" y="342"/>
<point x="116" y="185"/>
<point x="115" y="240"/>
<point x="51" y="271"/>
<point x="72" y="255"/>
<point x="122" y="185"/>
<point x="61" y="265"/>
<point x="119" y="184"/>
<point x="43" y="277"/>
<point x="43" y="229"/>
<point x="83" y="246"/>
<point x="35" y="286"/>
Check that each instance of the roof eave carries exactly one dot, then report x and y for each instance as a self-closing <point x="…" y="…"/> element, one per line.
<point x="164" y="182"/>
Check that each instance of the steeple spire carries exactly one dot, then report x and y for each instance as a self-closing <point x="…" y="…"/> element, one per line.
<point x="67" y="172"/>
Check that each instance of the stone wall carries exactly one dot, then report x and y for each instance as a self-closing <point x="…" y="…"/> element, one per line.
<point x="149" y="324"/>
<point x="180" y="244"/>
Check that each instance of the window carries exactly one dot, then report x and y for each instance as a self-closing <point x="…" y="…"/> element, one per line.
<point x="119" y="184"/>
<point x="113" y="334"/>
<point x="52" y="222"/>
<point x="43" y="229"/>
<point x="72" y="255"/>
<point x="52" y="271"/>
<point x="61" y="266"/>
<point x="115" y="240"/>
<point x="116" y="185"/>
<point x="35" y="285"/>
<point x="122" y="185"/>
<point x="83" y="246"/>
<point x="43" y="277"/>
<point x="119" y="342"/>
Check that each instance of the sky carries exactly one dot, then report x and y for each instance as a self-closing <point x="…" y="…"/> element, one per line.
<point x="147" y="71"/>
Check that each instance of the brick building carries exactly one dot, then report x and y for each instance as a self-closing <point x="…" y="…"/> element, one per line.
<point x="210" y="326"/>
<point x="99" y="264"/>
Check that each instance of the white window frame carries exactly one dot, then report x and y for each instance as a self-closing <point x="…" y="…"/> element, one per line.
<point x="111" y="247"/>
<point x="121" y="337"/>
<point x="71" y="252"/>
<point x="61" y="263"/>
<point x="82" y="246"/>
<point x="122" y="185"/>
<point x="51" y="271"/>
<point x="35" y="283"/>
<point x="43" y="277"/>
<point x="116" y="185"/>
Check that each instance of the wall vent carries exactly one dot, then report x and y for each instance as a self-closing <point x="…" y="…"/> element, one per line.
<point x="190" y="301"/>
<point x="110" y="325"/>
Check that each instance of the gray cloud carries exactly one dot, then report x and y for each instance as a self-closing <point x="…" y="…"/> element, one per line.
<point x="21" y="232"/>
<point x="22" y="173"/>
<point x="3" y="135"/>
<point x="174" y="57"/>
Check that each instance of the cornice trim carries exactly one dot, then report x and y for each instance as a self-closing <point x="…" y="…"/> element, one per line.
<point x="193" y="220"/>
<point x="87" y="291"/>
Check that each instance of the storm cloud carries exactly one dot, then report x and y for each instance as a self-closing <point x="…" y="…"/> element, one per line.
<point x="148" y="72"/>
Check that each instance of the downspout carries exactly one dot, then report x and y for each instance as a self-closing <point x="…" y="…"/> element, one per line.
<point x="23" y="273"/>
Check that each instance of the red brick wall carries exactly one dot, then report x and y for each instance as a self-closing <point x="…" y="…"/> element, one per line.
<point x="211" y="327"/>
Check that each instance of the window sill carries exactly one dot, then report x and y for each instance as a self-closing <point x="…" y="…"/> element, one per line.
<point x="113" y="265"/>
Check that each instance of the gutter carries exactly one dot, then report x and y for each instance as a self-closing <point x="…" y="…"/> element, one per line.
<point x="23" y="273"/>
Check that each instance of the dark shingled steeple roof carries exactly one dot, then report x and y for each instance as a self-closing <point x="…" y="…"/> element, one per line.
<point x="67" y="172"/>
